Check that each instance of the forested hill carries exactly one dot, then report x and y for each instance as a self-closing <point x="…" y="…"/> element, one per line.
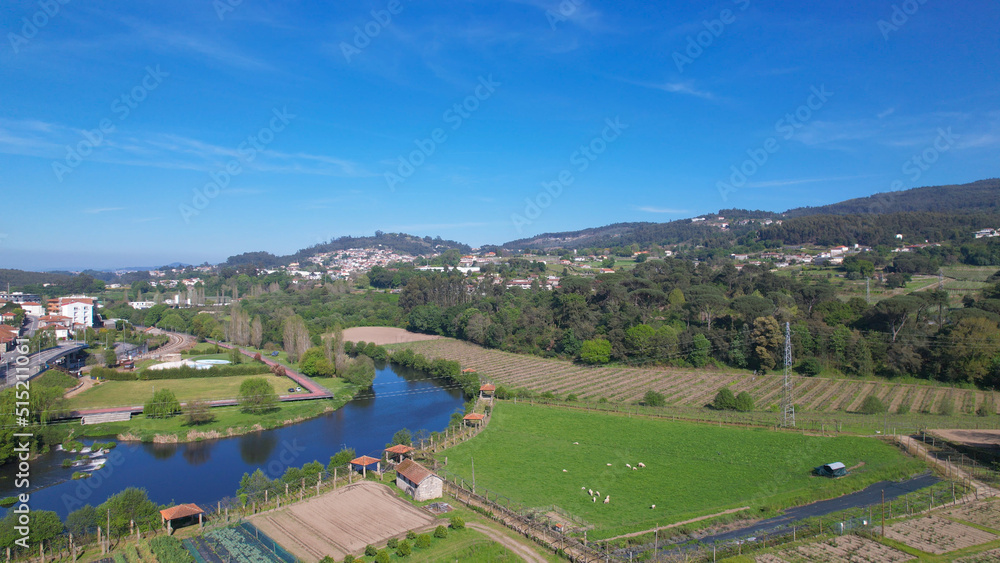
<point x="981" y="196"/>
<point x="21" y="278"/>
<point x="398" y="242"/>
<point x="624" y="234"/>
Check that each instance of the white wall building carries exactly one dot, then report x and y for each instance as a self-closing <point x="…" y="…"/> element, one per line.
<point x="78" y="308"/>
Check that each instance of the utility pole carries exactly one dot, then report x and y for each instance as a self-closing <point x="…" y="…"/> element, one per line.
<point x="787" y="408"/>
<point x="883" y="513"/>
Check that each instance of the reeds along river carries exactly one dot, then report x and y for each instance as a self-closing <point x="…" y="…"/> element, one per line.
<point x="204" y="472"/>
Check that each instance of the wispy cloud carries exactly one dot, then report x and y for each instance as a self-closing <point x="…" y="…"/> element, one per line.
<point x="648" y="209"/>
<point x="885" y="113"/>
<point x="96" y="210"/>
<point x="686" y="88"/>
<point x="797" y="181"/>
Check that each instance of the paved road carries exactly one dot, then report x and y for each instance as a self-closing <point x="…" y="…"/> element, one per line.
<point x="37" y="361"/>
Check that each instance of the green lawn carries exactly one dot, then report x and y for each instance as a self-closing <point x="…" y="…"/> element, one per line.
<point x="130" y="393"/>
<point x="692" y="470"/>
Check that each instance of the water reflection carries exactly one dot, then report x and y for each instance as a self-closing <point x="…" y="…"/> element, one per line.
<point x="256" y="447"/>
<point x="161" y="450"/>
<point x="197" y="453"/>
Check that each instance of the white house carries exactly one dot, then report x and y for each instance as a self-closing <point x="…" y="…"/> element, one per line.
<point x="32" y="308"/>
<point x="141" y="304"/>
<point x="418" y="481"/>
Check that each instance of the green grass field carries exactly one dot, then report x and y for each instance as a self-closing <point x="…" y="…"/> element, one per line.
<point x="691" y="470"/>
<point x="129" y="393"/>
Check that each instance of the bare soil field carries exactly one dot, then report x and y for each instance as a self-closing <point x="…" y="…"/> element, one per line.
<point x="382" y="335"/>
<point x="342" y="522"/>
<point x="983" y="439"/>
<point x="984" y="513"/>
<point x="991" y="556"/>
<point x="846" y="549"/>
<point x="936" y="535"/>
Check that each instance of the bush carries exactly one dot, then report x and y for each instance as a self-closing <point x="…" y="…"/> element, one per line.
<point x="572" y="398"/>
<point x="197" y="412"/>
<point x="872" y="405"/>
<point x="348" y="558"/>
<point x="724" y="400"/>
<point x="595" y="351"/>
<point x="405" y="549"/>
<point x="393" y="543"/>
<point x="7" y="502"/>
<point x="382" y="557"/>
<point x="809" y="367"/>
<point x="744" y="402"/>
<point x="456" y="523"/>
<point x="947" y="407"/>
<point x="440" y="532"/>
<point x="67" y="462"/>
<point x="411" y="535"/>
<point x="327" y="559"/>
<point x="654" y="399"/>
<point x="370" y="550"/>
<point x="903" y="408"/>
<point x="423" y="541"/>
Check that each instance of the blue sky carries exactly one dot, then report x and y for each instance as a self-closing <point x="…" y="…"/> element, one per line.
<point x="277" y="125"/>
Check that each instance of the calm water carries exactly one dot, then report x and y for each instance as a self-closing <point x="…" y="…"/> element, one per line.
<point x="204" y="472"/>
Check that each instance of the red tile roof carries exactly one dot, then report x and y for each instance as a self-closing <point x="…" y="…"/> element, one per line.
<point x="364" y="460"/>
<point x="474" y="416"/>
<point x="413" y="471"/>
<point x="181" y="511"/>
<point x="488" y="387"/>
<point x="399" y="449"/>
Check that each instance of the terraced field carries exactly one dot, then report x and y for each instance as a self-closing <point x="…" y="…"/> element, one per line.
<point x="688" y="387"/>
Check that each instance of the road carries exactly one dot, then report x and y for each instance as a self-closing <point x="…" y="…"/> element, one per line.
<point x="519" y="549"/>
<point x="37" y="361"/>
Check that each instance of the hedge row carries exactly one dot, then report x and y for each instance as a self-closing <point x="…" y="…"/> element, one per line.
<point x="182" y="372"/>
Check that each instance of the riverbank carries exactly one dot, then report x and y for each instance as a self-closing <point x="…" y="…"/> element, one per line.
<point x="228" y="420"/>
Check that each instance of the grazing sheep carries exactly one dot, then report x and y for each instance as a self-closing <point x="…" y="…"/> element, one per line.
<point x="609" y="465"/>
<point x="635" y="469"/>
<point x="576" y="443"/>
<point x="593" y="499"/>
<point x="590" y="492"/>
<point x="654" y="506"/>
<point x="597" y="493"/>
<point x="564" y="471"/>
<point x="641" y="464"/>
<point x="629" y="466"/>
<point x="583" y="488"/>
<point x="607" y="499"/>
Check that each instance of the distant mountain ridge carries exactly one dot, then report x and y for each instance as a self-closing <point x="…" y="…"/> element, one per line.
<point x="983" y="195"/>
<point x="401" y="243"/>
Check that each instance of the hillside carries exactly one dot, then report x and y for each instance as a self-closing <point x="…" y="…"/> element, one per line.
<point x="401" y="243"/>
<point x="980" y="196"/>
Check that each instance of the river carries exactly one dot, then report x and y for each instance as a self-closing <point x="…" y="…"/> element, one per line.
<point x="204" y="472"/>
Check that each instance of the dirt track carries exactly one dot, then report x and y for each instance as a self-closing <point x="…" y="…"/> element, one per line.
<point x="985" y="439"/>
<point x="384" y="335"/>
<point x="518" y="548"/>
<point x="342" y="521"/>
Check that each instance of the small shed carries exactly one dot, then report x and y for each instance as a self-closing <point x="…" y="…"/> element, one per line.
<point x="184" y="513"/>
<point x="487" y="390"/>
<point x="398" y="452"/>
<point x="418" y="481"/>
<point x="474" y="418"/>
<point x="361" y="464"/>
<point x="835" y="469"/>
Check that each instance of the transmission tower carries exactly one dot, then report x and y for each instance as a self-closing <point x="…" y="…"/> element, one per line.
<point x="787" y="408"/>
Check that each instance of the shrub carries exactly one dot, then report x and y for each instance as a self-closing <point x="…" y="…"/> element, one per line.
<point x="198" y="413"/>
<point x="405" y="549"/>
<point x="393" y="543"/>
<point x="595" y="351"/>
<point x="872" y="405"/>
<point x="947" y="407"/>
<point x="654" y="399"/>
<point x="169" y="549"/>
<point x="724" y="400"/>
<point x="67" y="462"/>
<point x="903" y="408"/>
<point x="809" y="367"/>
<point x="327" y="559"/>
<point x="411" y="535"/>
<point x="744" y="402"/>
<point x="440" y="532"/>
<point x="7" y="502"/>
<point x="348" y="558"/>
<point x="370" y="550"/>
<point x="456" y="523"/>
<point x="382" y="557"/>
<point x="423" y="541"/>
<point x="572" y="398"/>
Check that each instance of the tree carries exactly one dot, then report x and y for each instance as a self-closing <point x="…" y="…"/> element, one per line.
<point x="595" y="351"/>
<point x="256" y="332"/>
<point x="131" y="504"/>
<point x="404" y="549"/>
<point x="809" y="367"/>
<point x="744" y="402"/>
<point x="403" y="437"/>
<point x="654" y="399"/>
<point x="81" y="521"/>
<point x="872" y="405"/>
<point x="257" y="396"/>
<point x="699" y="353"/>
<point x="163" y="404"/>
<point x="456" y="523"/>
<point x="314" y="363"/>
<point x="45" y="525"/>
<point x="110" y="358"/>
<point x="341" y="458"/>
<point x="767" y="340"/>
<point x="724" y="400"/>
<point x="440" y="532"/>
<point x="296" y="337"/>
<point x="198" y="412"/>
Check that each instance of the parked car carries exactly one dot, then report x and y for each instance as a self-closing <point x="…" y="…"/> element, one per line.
<point x="274" y="354"/>
<point x="291" y="389"/>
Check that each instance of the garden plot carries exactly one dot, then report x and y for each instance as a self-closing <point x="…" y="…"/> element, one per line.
<point x="342" y="522"/>
<point x="846" y="549"/>
<point x="984" y="513"/>
<point x="937" y="535"/>
<point x="991" y="556"/>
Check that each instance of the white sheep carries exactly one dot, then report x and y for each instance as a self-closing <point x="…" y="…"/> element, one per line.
<point x="654" y="506"/>
<point x="583" y="488"/>
<point x="607" y="499"/>
<point x="641" y="464"/>
<point x="593" y="499"/>
<point x="609" y="465"/>
<point x="590" y="492"/>
<point x="629" y="466"/>
<point x="564" y="471"/>
<point x="576" y="443"/>
<point x="597" y="493"/>
<point x="635" y="469"/>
